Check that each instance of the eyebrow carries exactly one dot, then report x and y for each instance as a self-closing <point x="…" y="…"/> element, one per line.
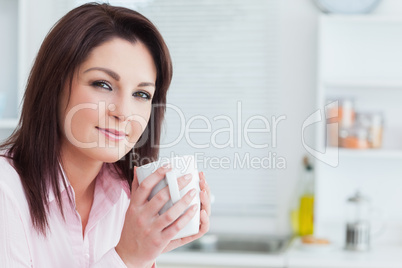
<point x="116" y="77"/>
<point x="146" y="84"/>
<point x="112" y="74"/>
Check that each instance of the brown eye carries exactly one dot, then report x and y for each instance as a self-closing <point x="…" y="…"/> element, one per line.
<point x="102" y="84"/>
<point x="142" y="95"/>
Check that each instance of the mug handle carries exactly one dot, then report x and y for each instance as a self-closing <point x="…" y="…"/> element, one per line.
<point x="173" y="186"/>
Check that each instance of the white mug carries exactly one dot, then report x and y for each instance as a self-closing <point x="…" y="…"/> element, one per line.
<point x="180" y="166"/>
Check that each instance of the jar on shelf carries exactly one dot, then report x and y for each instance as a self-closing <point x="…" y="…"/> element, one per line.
<point x="373" y="121"/>
<point x="355" y="137"/>
<point x="346" y="113"/>
<point x="376" y="130"/>
<point x="340" y="114"/>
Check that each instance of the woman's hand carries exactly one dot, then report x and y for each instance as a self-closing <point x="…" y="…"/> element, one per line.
<point x="146" y="234"/>
<point x="205" y="198"/>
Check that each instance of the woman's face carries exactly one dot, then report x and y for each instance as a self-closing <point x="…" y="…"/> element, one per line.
<point x="110" y="102"/>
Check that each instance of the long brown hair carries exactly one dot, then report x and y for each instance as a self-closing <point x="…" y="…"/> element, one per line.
<point x="34" y="146"/>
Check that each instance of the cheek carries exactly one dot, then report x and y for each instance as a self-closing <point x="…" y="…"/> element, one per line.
<point x="81" y="116"/>
<point x="80" y="120"/>
<point x="85" y="117"/>
<point x="84" y="107"/>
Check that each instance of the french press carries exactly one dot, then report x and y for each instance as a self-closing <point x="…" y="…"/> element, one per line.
<point x="358" y="211"/>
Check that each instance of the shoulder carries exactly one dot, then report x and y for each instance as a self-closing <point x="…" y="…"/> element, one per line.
<point x="10" y="184"/>
<point x="6" y="166"/>
<point x="9" y="175"/>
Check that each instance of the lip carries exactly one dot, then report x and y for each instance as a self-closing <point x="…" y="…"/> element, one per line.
<point x="112" y="134"/>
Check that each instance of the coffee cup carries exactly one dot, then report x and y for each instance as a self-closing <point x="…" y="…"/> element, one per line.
<point x="180" y="165"/>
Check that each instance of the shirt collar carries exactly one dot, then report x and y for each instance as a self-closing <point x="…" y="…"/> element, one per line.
<point x="62" y="178"/>
<point x="111" y="184"/>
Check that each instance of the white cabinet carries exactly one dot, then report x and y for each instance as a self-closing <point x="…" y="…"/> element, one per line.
<point x="359" y="57"/>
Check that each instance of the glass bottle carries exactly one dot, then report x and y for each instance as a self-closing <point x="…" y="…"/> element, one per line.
<point x="306" y="204"/>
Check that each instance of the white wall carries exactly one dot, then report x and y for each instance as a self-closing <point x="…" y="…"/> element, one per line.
<point x="8" y="54"/>
<point x="35" y="20"/>
<point x="297" y="83"/>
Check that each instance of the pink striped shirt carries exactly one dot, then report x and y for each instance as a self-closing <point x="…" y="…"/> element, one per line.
<point x="64" y="245"/>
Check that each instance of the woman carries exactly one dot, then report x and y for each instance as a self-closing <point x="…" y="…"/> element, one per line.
<point x="94" y="98"/>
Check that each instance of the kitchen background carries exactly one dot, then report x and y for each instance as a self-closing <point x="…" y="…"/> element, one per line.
<point x="263" y="61"/>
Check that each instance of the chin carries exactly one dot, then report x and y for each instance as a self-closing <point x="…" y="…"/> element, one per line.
<point x="109" y="155"/>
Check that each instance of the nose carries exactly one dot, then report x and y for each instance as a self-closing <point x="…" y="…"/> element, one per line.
<point x="120" y="108"/>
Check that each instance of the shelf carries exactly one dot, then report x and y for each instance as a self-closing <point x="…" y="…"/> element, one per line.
<point x="366" y="153"/>
<point x="364" y="18"/>
<point x="8" y="123"/>
<point x="363" y="84"/>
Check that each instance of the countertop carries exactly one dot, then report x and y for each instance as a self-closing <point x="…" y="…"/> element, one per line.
<point x="384" y="253"/>
<point x="223" y="259"/>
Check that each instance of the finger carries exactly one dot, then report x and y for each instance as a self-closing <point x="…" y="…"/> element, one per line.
<point x="180" y="223"/>
<point x="204" y="228"/>
<point x="205" y="223"/>
<point x="202" y="180"/>
<point x="163" y="196"/>
<point x="205" y="195"/>
<point x="203" y="183"/>
<point x="180" y="242"/>
<point x="205" y="202"/>
<point x="176" y="210"/>
<point x="146" y="186"/>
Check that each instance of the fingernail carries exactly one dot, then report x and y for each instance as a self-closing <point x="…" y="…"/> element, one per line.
<point x="166" y="166"/>
<point x="194" y="207"/>
<point x="192" y="192"/>
<point x="188" y="176"/>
